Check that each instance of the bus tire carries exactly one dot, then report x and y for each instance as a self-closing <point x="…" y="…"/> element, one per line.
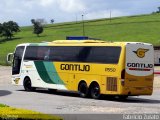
<point x="83" y="89"/>
<point x="28" y="85"/>
<point x="95" y="91"/>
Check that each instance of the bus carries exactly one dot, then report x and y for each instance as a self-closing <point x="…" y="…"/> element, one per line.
<point x="89" y="67"/>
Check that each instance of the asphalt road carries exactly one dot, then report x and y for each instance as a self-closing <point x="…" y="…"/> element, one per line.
<point x="70" y="103"/>
<point x="64" y="102"/>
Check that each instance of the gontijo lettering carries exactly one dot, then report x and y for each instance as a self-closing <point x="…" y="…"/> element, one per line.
<point x="75" y="67"/>
<point x="139" y="65"/>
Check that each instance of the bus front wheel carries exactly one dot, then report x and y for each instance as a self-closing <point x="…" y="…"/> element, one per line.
<point x="28" y="85"/>
<point x="83" y="89"/>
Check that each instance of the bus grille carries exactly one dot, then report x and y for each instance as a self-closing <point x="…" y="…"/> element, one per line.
<point x="111" y="84"/>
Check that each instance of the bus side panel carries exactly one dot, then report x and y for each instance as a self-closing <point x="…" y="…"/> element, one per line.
<point x="77" y="73"/>
<point x="111" y="81"/>
<point x="95" y="73"/>
<point x="42" y="75"/>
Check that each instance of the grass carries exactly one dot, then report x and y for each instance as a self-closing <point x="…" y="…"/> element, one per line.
<point x="2" y="105"/>
<point x="142" y="28"/>
<point x="7" y="112"/>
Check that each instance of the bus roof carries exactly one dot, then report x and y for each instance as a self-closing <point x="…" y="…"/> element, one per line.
<point x="77" y="41"/>
<point x="93" y="41"/>
<point x="80" y="42"/>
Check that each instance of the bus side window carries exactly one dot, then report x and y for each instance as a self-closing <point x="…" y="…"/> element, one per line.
<point x="51" y="54"/>
<point x="46" y="56"/>
<point x="83" y="54"/>
<point x="31" y="53"/>
<point x="43" y="53"/>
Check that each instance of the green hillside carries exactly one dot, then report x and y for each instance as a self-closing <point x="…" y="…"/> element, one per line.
<point x="143" y="28"/>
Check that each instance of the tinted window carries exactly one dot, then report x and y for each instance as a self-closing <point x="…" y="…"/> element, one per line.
<point x="103" y="54"/>
<point x="64" y="53"/>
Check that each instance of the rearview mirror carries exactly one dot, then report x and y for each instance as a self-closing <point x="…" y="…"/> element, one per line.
<point x="9" y="58"/>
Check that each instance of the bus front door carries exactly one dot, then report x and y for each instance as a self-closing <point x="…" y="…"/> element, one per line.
<point x="17" y="60"/>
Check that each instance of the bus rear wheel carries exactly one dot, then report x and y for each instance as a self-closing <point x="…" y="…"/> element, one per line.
<point x="83" y="89"/>
<point x="28" y="85"/>
<point x="95" y="91"/>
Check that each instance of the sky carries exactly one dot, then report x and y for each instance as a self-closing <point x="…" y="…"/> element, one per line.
<point x="22" y="11"/>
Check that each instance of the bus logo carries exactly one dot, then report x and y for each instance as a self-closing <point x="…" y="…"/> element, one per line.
<point x="141" y="52"/>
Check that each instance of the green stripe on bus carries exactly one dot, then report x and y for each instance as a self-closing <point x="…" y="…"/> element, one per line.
<point x="43" y="72"/>
<point x="48" y="73"/>
<point x="52" y="72"/>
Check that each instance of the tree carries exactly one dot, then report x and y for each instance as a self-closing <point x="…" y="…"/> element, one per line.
<point x="38" y="28"/>
<point x="52" y="21"/>
<point x="8" y="29"/>
<point x="33" y="21"/>
<point x="41" y="21"/>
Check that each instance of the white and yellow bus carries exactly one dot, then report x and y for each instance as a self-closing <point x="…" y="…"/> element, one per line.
<point x="89" y="67"/>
